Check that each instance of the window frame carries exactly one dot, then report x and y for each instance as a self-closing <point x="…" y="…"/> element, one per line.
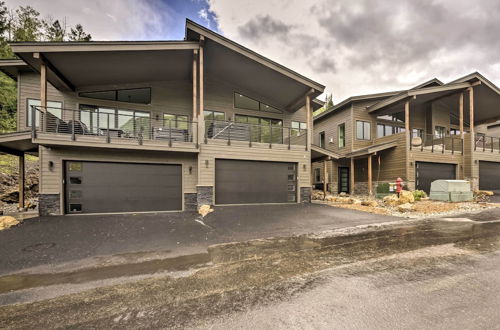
<point x="176" y="120"/>
<point x="439" y="133"/>
<point x="339" y="137"/>
<point x="260" y="126"/>
<point x="115" y="99"/>
<point x="317" y="175"/>
<point x="322" y="139"/>
<point x="260" y="104"/>
<point x="363" y="122"/>
<point x="116" y="114"/>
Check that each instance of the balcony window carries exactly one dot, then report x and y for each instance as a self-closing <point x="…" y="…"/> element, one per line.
<point x="454" y="131"/>
<point x="129" y="122"/>
<point x="341" y="135"/>
<point x="439" y="131"/>
<point x="244" y="102"/>
<point x="417" y="132"/>
<point x="363" y="130"/>
<point x="298" y="128"/>
<point x="175" y="121"/>
<point x="53" y="107"/>
<point x="386" y="130"/>
<point x="131" y="95"/>
<point x="264" y="130"/>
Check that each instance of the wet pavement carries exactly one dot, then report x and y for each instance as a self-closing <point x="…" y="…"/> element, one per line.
<point x="419" y="274"/>
<point x="43" y="243"/>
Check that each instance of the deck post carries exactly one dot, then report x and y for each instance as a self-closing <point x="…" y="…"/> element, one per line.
<point x="461" y="110"/>
<point x="370" y="189"/>
<point x="309" y="121"/>
<point x="351" y="175"/>
<point x="407" y="137"/>
<point x="201" y="117"/>
<point x="21" y="181"/>
<point x="471" y="111"/>
<point x="43" y="96"/>
<point x="195" y="94"/>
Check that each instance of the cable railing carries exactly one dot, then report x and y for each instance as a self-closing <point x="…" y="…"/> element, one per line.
<point x="435" y="143"/>
<point x="486" y="143"/>
<point x="111" y="124"/>
<point x="254" y="133"/>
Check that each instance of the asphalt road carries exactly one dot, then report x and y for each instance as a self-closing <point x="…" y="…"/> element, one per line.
<point x="81" y="240"/>
<point x="421" y="274"/>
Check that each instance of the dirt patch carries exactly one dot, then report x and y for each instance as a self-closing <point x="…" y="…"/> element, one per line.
<point x="429" y="207"/>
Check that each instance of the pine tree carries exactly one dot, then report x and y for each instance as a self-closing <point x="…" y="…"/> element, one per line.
<point x="77" y="34"/>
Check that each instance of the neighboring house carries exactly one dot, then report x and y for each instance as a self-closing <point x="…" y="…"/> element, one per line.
<point x="161" y="125"/>
<point x="432" y="131"/>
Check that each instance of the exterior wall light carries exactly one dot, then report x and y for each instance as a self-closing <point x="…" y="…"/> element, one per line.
<point x="51" y="165"/>
<point x="190" y="169"/>
<point x="206" y="163"/>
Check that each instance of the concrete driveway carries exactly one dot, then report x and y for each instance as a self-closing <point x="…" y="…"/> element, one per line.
<point x="49" y="241"/>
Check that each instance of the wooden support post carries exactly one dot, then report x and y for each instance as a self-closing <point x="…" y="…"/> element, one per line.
<point x="309" y="122"/>
<point x="407" y="136"/>
<point x="325" y="178"/>
<point x="351" y="176"/>
<point x="194" y="123"/>
<point x="370" y="188"/>
<point x="21" y="179"/>
<point x="43" y="96"/>
<point x="201" y="105"/>
<point x="471" y="112"/>
<point x="461" y="111"/>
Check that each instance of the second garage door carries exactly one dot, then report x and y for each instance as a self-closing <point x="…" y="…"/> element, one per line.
<point x="428" y="172"/>
<point x="98" y="187"/>
<point x="247" y="182"/>
<point x="489" y="176"/>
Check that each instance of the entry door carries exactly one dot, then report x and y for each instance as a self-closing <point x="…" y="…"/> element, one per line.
<point x="344" y="179"/>
<point x="103" y="187"/>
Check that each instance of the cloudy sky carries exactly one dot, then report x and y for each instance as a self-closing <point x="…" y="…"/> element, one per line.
<point x="353" y="47"/>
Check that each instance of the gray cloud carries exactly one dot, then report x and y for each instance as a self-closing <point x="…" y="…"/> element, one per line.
<point x="264" y="25"/>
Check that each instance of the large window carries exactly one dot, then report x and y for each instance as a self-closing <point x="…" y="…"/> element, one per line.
<point x="363" y="130"/>
<point x="128" y="122"/>
<point x="439" y="132"/>
<point x="298" y="128"/>
<point x="341" y="135"/>
<point x="53" y="107"/>
<point x="175" y="121"/>
<point x="386" y="130"/>
<point x="322" y="140"/>
<point x="133" y="95"/>
<point x="244" y="102"/>
<point x="210" y="115"/>
<point x="265" y="130"/>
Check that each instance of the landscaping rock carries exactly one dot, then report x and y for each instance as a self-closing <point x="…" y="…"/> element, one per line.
<point x="354" y="201"/>
<point x="405" y="197"/>
<point x="7" y="222"/>
<point x="370" y="203"/>
<point x="407" y="207"/>
<point x="11" y="196"/>
<point x="391" y="200"/>
<point x="204" y="210"/>
<point x="331" y="198"/>
<point x="318" y="195"/>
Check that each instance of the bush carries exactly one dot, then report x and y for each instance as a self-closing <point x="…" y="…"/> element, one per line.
<point x="419" y="194"/>
<point x="383" y="188"/>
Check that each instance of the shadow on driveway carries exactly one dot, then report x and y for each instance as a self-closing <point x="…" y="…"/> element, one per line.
<point x="61" y="239"/>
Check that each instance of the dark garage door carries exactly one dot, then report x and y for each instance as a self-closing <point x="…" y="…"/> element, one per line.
<point x="489" y="176"/>
<point x="428" y="172"/>
<point x="95" y="187"/>
<point x="246" y="182"/>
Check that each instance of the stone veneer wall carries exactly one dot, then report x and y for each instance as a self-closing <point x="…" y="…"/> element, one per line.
<point x="205" y="195"/>
<point x="49" y="204"/>
<point x="305" y="194"/>
<point x="190" y="201"/>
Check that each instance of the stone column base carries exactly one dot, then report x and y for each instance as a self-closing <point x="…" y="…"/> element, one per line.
<point x="190" y="201"/>
<point x="49" y="204"/>
<point x="305" y="194"/>
<point x="205" y="195"/>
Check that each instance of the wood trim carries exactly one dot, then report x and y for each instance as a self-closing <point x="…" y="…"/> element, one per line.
<point x="325" y="178"/>
<point x="407" y="138"/>
<point x="461" y="110"/>
<point x="351" y="176"/>
<point x="370" y="188"/>
<point x="102" y="46"/>
<point x="195" y="84"/>
<point x="471" y="111"/>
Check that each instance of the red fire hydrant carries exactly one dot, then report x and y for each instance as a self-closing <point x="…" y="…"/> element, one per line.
<point x="399" y="185"/>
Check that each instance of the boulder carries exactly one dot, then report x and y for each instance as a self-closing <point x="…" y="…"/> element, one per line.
<point x="11" y="196"/>
<point x="330" y="198"/>
<point x="370" y="203"/>
<point x="407" y="207"/>
<point x="205" y="209"/>
<point x="7" y="222"/>
<point x="391" y="200"/>
<point x="405" y="197"/>
<point x="343" y="194"/>
<point x="318" y="195"/>
<point x="354" y="201"/>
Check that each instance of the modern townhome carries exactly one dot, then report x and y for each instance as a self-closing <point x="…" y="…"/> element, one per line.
<point x="433" y="131"/>
<point x="161" y="125"/>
